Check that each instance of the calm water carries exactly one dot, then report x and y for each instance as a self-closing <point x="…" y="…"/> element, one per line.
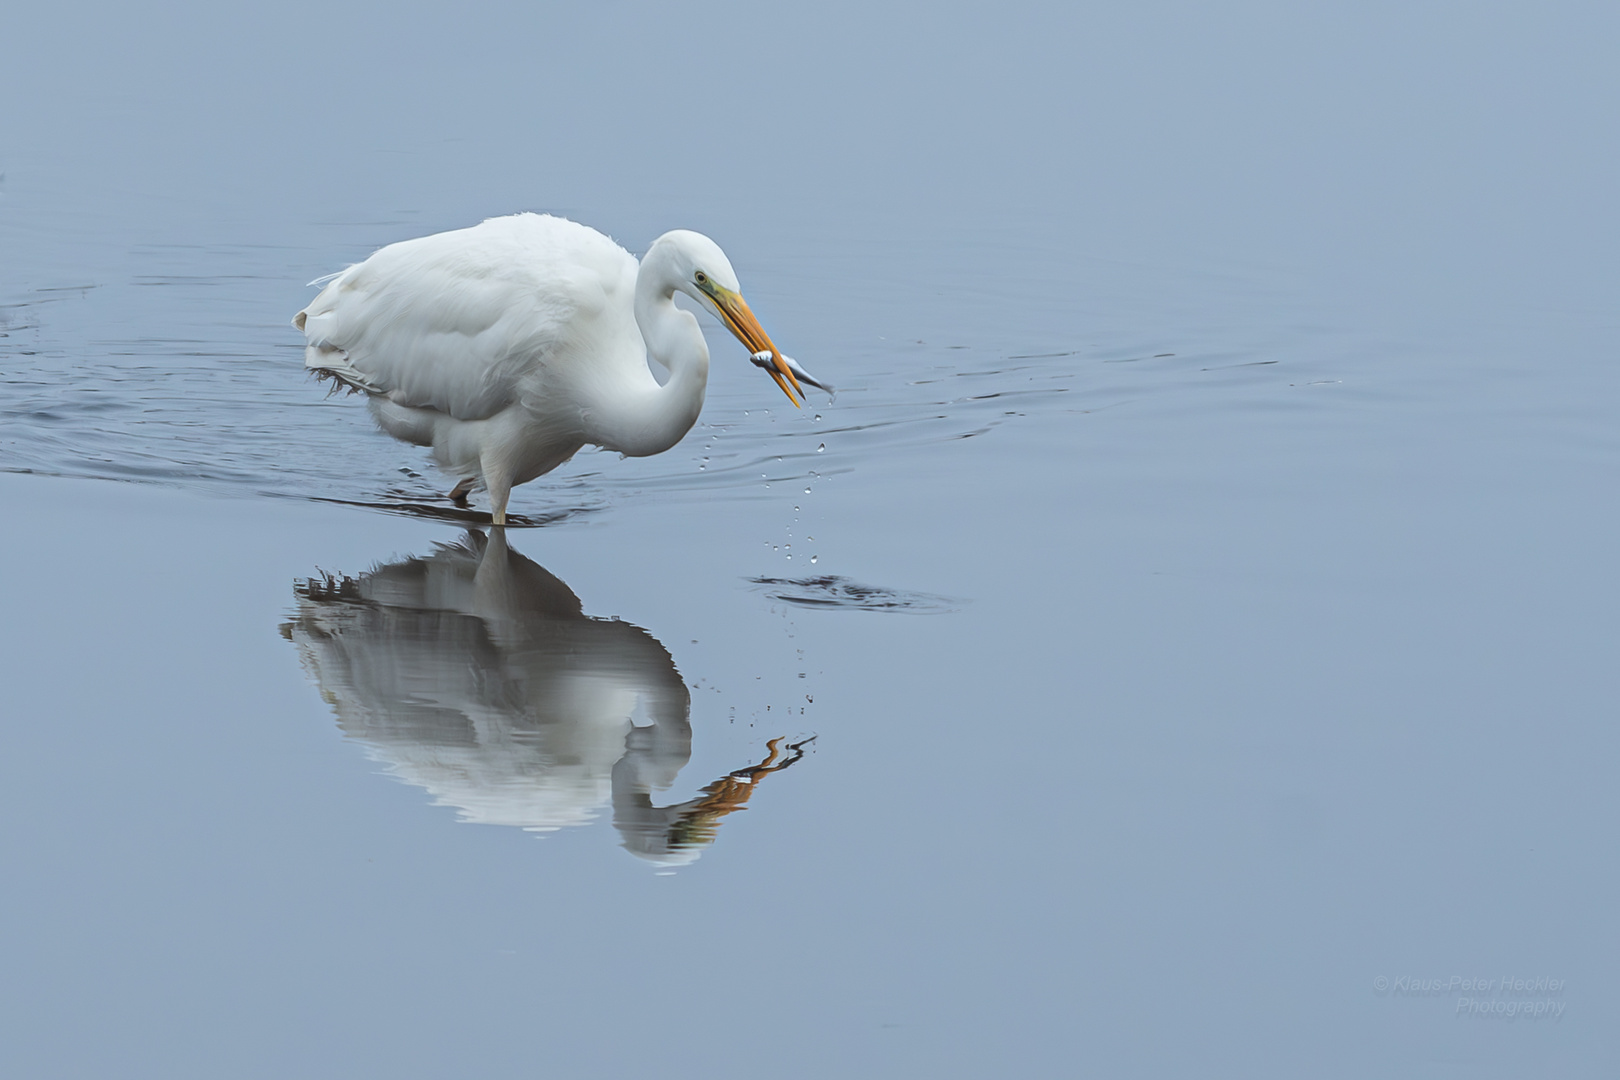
<point x="1185" y="643"/>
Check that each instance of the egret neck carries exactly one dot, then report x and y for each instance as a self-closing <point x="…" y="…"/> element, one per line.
<point x="653" y="418"/>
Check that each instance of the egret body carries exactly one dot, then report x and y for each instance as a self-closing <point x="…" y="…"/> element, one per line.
<point x="508" y="346"/>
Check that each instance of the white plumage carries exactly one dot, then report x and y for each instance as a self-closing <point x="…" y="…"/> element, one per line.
<point x="508" y="346"/>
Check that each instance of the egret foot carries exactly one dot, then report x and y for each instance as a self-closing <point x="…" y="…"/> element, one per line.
<point x="458" y="494"/>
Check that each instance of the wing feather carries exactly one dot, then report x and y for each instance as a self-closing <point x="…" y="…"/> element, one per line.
<point x="465" y="322"/>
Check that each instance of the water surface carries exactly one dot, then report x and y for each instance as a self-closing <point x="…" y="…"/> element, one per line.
<point x="1183" y="645"/>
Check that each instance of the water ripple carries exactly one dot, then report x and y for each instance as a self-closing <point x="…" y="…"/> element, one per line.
<point x="100" y="384"/>
<point x="831" y="591"/>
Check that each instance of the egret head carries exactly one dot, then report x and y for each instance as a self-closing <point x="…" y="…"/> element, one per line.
<point x="702" y="271"/>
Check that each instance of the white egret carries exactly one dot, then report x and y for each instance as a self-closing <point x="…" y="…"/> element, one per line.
<point x="508" y="346"/>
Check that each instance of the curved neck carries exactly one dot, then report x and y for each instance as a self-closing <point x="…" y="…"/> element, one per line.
<point x="651" y="418"/>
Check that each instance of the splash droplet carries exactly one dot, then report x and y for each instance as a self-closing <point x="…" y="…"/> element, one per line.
<point x="821" y="448"/>
<point x="813" y="558"/>
<point x="818" y="417"/>
<point x="807" y="491"/>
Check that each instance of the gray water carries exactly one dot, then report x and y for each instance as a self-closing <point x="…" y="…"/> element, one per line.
<point x="1181" y="647"/>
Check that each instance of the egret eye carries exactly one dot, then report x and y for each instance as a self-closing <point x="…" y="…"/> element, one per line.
<point x="702" y="278"/>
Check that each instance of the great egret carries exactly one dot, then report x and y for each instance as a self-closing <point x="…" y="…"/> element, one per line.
<point x="508" y="346"/>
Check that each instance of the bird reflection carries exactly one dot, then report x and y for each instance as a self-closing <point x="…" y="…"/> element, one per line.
<point x="476" y="675"/>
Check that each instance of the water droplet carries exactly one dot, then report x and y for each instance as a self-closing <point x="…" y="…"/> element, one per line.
<point x="813" y="558"/>
<point x="818" y="417"/>
<point x="821" y="448"/>
<point x="775" y="548"/>
<point x="807" y="491"/>
<point x="790" y="558"/>
<point x="795" y="509"/>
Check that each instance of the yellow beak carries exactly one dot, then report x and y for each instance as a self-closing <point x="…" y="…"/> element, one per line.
<point x="740" y="320"/>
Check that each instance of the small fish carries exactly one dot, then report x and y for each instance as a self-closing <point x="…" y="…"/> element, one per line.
<point x="763" y="360"/>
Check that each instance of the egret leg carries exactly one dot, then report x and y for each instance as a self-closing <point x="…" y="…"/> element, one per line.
<point x="458" y="494"/>
<point x="499" y="486"/>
